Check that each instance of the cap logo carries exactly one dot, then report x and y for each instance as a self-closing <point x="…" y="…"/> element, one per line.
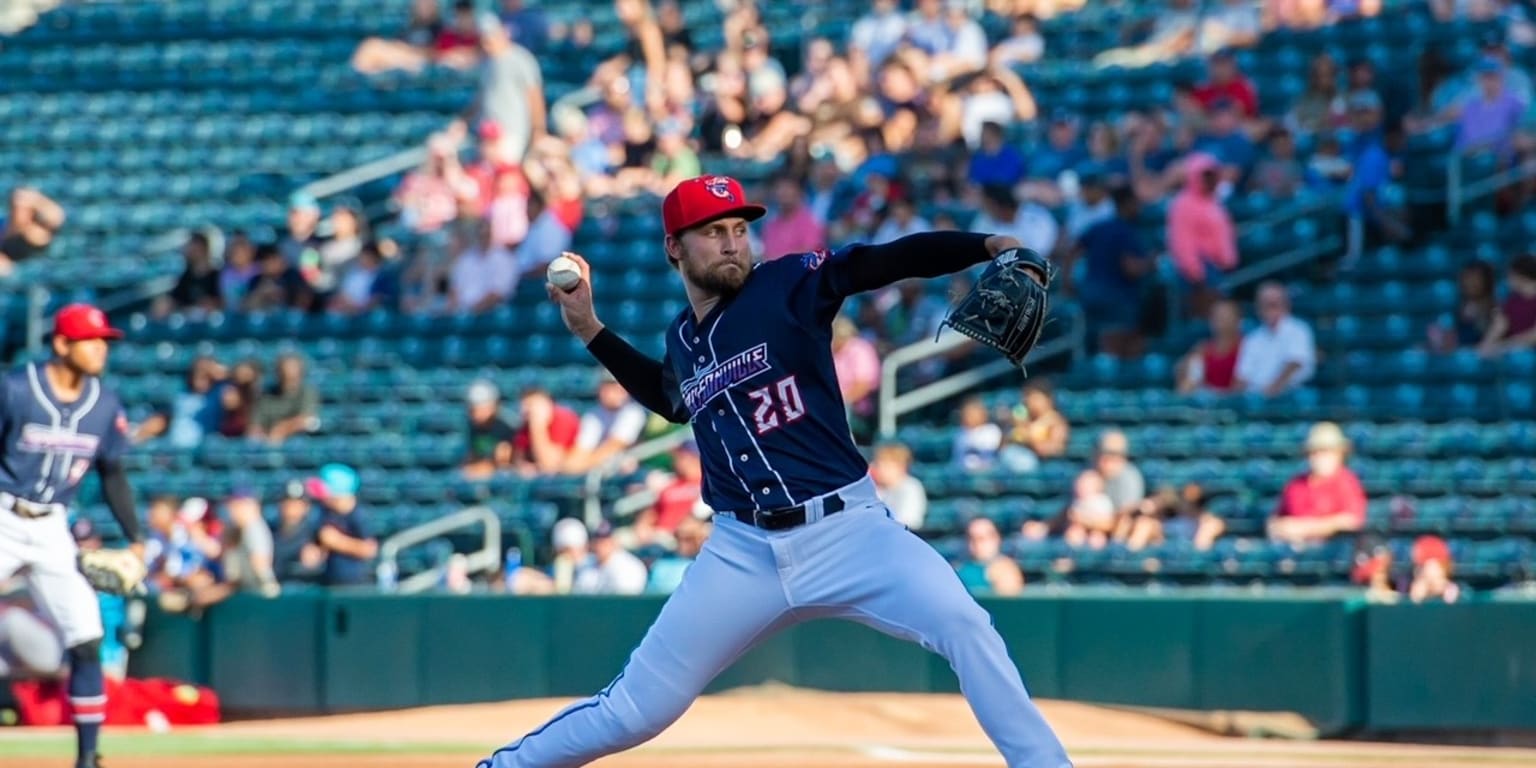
<point x="720" y="187"/>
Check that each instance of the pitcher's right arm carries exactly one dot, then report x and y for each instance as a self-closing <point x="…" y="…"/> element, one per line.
<point x="650" y="382"/>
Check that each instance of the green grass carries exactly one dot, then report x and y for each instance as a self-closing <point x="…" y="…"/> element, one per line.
<point x="19" y="743"/>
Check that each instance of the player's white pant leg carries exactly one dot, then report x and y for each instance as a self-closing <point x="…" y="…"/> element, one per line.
<point x="15" y="549"/>
<point x="57" y="586"/>
<point x="875" y="572"/>
<point x="729" y="599"/>
<point x="29" y="646"/>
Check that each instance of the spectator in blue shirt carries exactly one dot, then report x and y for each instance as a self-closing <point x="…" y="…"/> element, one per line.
<point x="1104" y="158"/>
<point x="1368" y="159"/>
<point x="527" y="26"/>
<point x="995" y="162"/>
<point x="346" y="533"/>
<point x="1224" y="139"/>
<point x="1115" y="266"/>
<point x="1063" y="148"/>
<point x="1371" y="172"/>
<point x="667" y="572"/>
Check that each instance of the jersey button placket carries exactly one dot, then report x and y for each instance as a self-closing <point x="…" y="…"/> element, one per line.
<point x="743" y="457"/>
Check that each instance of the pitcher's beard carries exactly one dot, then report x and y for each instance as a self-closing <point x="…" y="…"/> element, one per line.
<point x="720" y="281"/>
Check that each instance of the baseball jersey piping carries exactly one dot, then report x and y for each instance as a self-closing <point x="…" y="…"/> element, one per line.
<point x="587" y="703"/>
<point x="56" y="419"/>
<point x="683" y="337"/>
<point x="709" y="339"/>
<point x="739" y="476"/>
<point x="74" y="421"/>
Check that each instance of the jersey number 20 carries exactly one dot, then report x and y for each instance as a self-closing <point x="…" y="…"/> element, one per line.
<point x="781" y="397"/>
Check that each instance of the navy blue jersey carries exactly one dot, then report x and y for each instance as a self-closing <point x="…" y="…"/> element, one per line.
<point x="756" y="378"/>
<point x="341" y="569"/>
<point x="47" y="446"/>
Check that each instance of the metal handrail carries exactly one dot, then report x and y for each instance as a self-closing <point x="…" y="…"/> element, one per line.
<point x="485" y="559"/>
<point x="1457" y="193"/>
<point x="892" y="405"/>
<point x="362" y="174"/>
<point x="1253" y="273"/>
<point x="1282" y="215"/>
<point x="634" y="503"/>
<point x="592" y="484"/>
<point x="38" y="296"/>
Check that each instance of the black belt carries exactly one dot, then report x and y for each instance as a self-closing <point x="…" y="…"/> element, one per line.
<point x="785" y="518"/>
<point x="29" y="509"/>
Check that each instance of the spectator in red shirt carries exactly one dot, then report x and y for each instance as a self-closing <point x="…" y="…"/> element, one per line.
<point x="1324" y="501"/>
<point x="680" y="498"/>
<point x="676" y="504"/>
<point x="547" y="434"/>
<point x="1212" y="365"/>
<point x="458" y="44"/>
<point x="1228" y="82"/>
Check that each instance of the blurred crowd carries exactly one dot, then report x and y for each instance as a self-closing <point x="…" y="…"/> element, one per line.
<point x="924" y="117"/>
<point x="913" y="122"/>
<point x="200" y="551"/>
<point x="1110" y="507"/>
<point x="238" y="402"/>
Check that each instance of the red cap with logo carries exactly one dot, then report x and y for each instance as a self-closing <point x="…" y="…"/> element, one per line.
<point x="703" y="199"/>
<point x="79" y="322"/>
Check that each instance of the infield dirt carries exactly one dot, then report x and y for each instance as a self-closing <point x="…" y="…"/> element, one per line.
<point x="763" y="727"/>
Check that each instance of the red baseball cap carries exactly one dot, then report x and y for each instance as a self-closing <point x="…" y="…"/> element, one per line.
<point x="1428" y="548"/>
<point x="703" y="199"/>
<point x="79" y="322"/>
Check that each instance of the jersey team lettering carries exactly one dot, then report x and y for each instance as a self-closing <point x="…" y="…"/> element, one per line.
<point x="710" y="382"/>
<point x="44" y="438"/>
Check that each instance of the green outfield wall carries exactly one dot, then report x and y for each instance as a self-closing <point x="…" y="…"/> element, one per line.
<point x="1342" y="664"/>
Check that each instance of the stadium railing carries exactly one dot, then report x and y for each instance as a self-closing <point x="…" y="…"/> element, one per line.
<point x="40" y="298"/>
<point x="1459" y="192"/>
<point x="892" y="406"/>
<point x="483" y="560"/>
<point x="592" y="483"/>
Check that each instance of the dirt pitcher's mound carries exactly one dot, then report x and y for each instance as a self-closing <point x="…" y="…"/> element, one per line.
<point x="770" y="727"/>
<point x="759" y="717"/>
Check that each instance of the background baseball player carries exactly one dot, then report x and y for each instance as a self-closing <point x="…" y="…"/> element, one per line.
<point x="56" y="420"/>
<point x="800" y="533"/>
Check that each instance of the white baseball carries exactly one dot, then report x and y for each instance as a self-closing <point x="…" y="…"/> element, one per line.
<point x="563" y="273"/>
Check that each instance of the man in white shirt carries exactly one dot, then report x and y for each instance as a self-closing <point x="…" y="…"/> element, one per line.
<point x="875" y="36"/>
<point x="610" y="570"/>
<point x="1029" y="222"/>
<point x="1280" y="354"/>
<point x="966" y="51"/>
<point x="610" y="429"/>
<point x="901" y="219"/>
<point x="547" y="238"/>
<point x="482" y="276"/>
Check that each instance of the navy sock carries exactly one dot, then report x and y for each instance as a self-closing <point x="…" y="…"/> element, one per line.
<point x="87" y="696"/>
